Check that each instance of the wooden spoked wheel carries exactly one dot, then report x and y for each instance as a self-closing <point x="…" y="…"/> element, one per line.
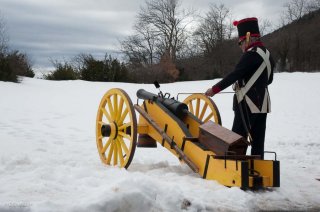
<point x="203" y="108"/>
<point x="116" y="129"/>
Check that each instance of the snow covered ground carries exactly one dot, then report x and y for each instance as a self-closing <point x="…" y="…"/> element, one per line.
<point x="49" y="160"/>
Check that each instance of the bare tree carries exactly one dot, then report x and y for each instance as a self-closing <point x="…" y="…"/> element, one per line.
<point x="141" y="47"/>
<point x="3" y="36"/>
<point x="215" y="27"/>
<point x="265" y="26"/>
<point x="135" y="49"/>
<point x="282" y="49"/>
<point x="160" y="29"/>
<point x="313" y="5"/>
<point x="295" y="9"/>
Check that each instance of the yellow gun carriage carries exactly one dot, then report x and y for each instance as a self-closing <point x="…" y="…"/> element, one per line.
<point x="191" y="130"/>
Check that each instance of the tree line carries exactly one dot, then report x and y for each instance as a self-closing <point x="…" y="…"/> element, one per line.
<point x="171" y="43"/>
<point x="12" y="63"/>
<point x="86" y="67"/>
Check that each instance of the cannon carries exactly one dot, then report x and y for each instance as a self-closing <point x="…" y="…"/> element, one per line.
<point x="191" y="130"/>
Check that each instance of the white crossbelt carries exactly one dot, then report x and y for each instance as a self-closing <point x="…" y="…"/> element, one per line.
<point x="266" y="63"/>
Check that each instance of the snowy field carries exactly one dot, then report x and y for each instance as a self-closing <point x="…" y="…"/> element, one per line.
<point x="49" y="159"/>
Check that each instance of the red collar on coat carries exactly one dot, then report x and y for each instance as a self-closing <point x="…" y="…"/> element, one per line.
<point x="254" y="44"/>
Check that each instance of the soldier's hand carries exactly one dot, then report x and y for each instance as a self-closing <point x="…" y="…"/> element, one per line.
<point x="209" y="92"/>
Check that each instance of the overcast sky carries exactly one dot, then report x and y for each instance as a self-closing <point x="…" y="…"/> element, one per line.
<point x="61" y="29"/>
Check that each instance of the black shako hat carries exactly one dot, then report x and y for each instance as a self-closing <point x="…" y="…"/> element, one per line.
<point x="247" y="25"/>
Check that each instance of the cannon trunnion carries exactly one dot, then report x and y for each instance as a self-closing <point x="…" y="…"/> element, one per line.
<point x="191" y="130"/>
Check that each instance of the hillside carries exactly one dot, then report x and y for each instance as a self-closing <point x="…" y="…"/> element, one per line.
<point x="296" y="45"/>
<point x="49" y="160"/>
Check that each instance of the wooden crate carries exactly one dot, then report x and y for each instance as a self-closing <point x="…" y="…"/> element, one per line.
<point x="222" y="141"/>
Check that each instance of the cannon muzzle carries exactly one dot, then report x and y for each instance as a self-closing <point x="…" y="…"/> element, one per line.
<point x="177" y="108"/>
<point x="143" y="94"/>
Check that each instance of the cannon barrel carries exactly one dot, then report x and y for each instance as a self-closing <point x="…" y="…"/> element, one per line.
<point x="143" y="94"/>
<point x="177" y="108"/>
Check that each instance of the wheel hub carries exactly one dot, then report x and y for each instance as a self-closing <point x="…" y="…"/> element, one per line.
<point x="111" y="130"/>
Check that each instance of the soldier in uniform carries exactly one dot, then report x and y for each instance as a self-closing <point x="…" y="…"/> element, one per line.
<point x="250" y="79"/>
